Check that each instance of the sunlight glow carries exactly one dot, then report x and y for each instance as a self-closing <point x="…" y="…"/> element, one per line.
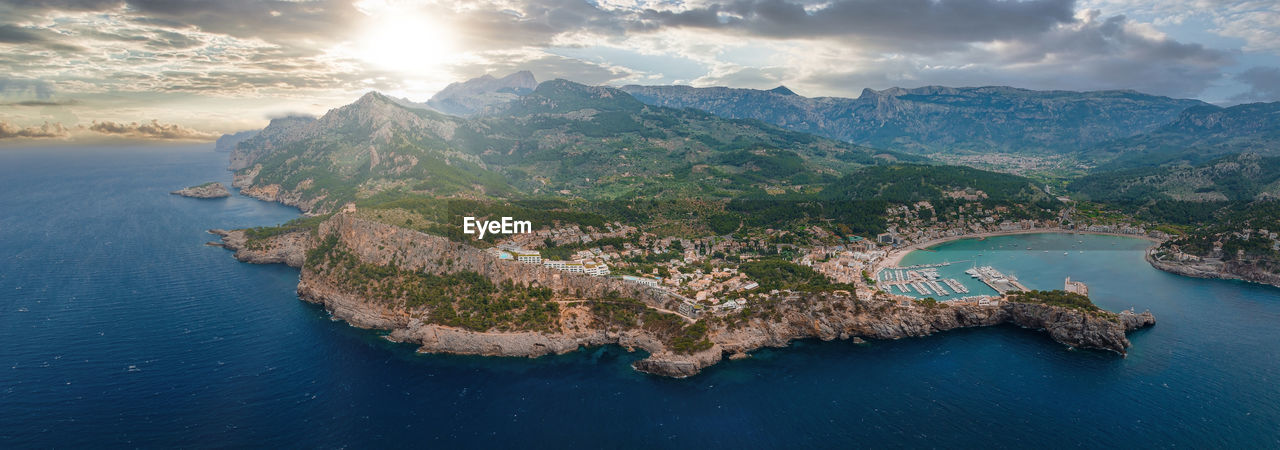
<point x="406" y="41"/>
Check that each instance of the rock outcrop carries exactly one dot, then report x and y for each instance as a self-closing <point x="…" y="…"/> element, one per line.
<point x="289" y="249"/>
<point x="207" y="190"/>
<point x="825" y="316"/>
<point x="1215" y="268"/>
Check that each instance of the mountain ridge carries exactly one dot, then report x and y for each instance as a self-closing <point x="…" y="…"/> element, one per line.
<point x="939" y="118"/>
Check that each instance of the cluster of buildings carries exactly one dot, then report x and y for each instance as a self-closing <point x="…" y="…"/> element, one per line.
<point x="565" y="235"/>
<point x="584" y="266"/>
<point x="708" y="286"/>
<point x="703" y="271"/>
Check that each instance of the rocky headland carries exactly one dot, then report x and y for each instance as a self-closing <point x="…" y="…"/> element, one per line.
<point x="366" y="245"/>
<point x="211" y="189"/>
<point x="1215" y="268"/>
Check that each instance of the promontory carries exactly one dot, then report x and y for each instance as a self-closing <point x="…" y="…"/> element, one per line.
<point x="211" y="189"/>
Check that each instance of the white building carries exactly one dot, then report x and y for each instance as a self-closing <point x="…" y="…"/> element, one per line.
<point x="595" y="269"/>
<point x="526" y="256"/>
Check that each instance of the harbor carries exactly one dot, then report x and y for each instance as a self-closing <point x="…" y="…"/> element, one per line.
<point x="921" y="279"/>
<point x="1000" y="282"/>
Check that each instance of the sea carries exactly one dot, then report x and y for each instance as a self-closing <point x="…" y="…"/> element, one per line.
<point x="119" y="328"/>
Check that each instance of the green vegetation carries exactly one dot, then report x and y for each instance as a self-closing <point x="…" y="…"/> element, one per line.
<point x="1057" y="298"/>
<point x="461" y="299"/>
<point x="256" y="237"/>
<point x="781" y="274"/>
<point x="930" y="303"/>
<point x="619" y="313"/>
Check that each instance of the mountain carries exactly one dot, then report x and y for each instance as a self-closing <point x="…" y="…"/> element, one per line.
<point x="1198" y="135"/>
<point x="1239" y="177"/>
<point x="228" y="142"/>
<point x="278" y="131"/>
<point x="782" y="90"/>
<point x="563" y="139"/>
<point x="472" y="96"/>
<point x="940" y="119"/>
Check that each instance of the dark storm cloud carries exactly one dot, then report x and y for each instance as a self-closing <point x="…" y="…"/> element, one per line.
<point x="1263" y="83"/>
<point x="906" y="21"/>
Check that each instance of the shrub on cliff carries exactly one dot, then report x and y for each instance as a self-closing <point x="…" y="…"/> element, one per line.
<point x="1056" y="298"/>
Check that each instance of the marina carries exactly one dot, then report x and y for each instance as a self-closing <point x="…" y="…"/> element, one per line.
<point x="922" y="279"/>
<point x="1000" y="282"/>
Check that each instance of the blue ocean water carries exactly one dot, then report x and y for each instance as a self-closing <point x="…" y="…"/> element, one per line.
<point x="118" y="328"/>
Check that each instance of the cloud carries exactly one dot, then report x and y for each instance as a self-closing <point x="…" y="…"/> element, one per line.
<point x="544" y="67"/>
<point x="25" y="87"/>
<point x="13" y="34"/>
<point x="152" y="130"/>
<point x="902" y="23"/>
<point x="1263" y="82"/>
<point x="221" y="60"/>
<point x="48" y="130"/>
<point x="43" y="103"/>
<point x="1110" y="53"/>
<point x="1256" y="22"/>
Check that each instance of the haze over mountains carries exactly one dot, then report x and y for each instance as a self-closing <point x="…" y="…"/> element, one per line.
<point x="470" y="97"/>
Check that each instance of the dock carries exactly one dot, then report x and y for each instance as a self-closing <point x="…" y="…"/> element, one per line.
<point x="921" y="279"/>
<point x="1000" y="282"/>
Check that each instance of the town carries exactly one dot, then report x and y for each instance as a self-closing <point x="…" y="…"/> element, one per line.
<point x="707" y="272"/>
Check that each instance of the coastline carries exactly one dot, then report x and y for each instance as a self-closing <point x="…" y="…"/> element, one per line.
<point x="896" y="255"/>
<point x="825" y="315"/>
<point x="1214" y="269"/>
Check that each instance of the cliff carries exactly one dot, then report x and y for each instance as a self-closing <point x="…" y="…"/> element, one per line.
<point x="207" y="190"/>
<point x="782" y="319"/>
<point x="289" y="249"/>
<point x="1215" y="268"/>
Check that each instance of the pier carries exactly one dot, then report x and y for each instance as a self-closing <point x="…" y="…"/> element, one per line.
<point x="1000" y="282"/>
<point x="922" y="279"/>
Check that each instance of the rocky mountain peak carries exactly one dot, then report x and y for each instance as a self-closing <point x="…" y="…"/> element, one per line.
<point x="470" y="97"/>
<point x="782" y="90"/>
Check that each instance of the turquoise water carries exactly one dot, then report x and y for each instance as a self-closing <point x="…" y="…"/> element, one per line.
<point x="1038" y="261"/>
<point x="120" y="329"/>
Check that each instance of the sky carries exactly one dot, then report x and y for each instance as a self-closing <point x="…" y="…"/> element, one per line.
<point x="186" y="70"/>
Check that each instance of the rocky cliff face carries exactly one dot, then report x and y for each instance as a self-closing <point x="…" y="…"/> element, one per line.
<point x="1076" y="328"/>
<point x="228" y="142"/>
<point x="278" y="132"/>
<point x="823" y="316"/>
<point x="289" y="249"/>
<point x="1215" y="268"/>
<point x="380" y="244"/>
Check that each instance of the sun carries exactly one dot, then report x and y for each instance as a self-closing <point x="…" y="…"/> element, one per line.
<point x="404" y="40"/>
